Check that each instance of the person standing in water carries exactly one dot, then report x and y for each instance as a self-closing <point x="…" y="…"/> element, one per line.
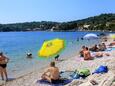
<point x="29" y="55"/>
<point x="3" y="64"/>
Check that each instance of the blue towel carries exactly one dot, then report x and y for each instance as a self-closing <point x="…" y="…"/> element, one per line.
<point x="75" y="76"/>
<point x="58" y="83"/>
<point x="66" y="74"/>
<point x="101" y="69"/>
<point x="108" y="49"/>
<point x="113" y="48"/>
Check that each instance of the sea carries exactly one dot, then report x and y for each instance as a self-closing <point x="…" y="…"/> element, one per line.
<point x="15" y="45"/>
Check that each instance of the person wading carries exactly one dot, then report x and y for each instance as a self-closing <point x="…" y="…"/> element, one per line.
<point x="3" y="64"/>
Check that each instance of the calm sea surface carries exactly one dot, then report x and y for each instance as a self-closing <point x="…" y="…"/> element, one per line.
<point x="16" y="45"/>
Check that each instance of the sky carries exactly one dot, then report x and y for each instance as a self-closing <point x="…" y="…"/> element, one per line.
<point x="16" y="11"/>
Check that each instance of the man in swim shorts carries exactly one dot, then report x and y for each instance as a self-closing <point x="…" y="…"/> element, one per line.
<point x="51" y="74"/>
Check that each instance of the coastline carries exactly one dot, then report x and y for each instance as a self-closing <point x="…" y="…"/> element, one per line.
<point x="72" y="64"/>
<point x="31" y="78"/>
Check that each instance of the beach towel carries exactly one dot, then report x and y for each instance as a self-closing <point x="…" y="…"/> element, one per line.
<point x="101" y="69"/>
<point x="66" y="74"/>
<point x="75" y="75"/>
<point x="69" y="75"/>
<point x="113" y="48"/>
<point x="84" y="73"/>
<point x="58" y="83"/>
<point x="108" y="49"/>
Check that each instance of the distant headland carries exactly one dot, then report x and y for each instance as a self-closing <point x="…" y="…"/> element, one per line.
<point x="102" y="22"/>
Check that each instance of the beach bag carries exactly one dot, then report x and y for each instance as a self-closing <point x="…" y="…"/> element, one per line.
<point x="84" y="72"/>
<point x="101" y="69"/>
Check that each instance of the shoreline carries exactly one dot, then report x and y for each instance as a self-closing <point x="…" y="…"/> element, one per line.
<point x="36" y="74"/>
<point x="32" y="77"/>
<point x="39" y="71"/>
<point x="30" y="70"/>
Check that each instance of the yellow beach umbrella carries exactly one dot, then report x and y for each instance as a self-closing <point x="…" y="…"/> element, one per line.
<point x="112" y="36"/>
<point x="51" y="48"/>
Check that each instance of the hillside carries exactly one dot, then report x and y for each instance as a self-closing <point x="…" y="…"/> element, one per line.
<point x="101" y="22"/>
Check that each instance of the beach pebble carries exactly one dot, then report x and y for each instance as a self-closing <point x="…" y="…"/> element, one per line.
<point x="75" y="83"/>
<point x="86" y="84"/>
<point x="105" y="79"/>
<point x="113" y="84"/>
<point x="108" y="81"/>
<point x="2" y="82"/>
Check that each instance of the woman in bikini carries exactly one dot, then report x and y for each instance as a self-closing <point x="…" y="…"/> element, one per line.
<point x="3" y="64"/>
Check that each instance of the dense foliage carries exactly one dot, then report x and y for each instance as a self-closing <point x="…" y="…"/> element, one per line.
<point x="101" y="22"/>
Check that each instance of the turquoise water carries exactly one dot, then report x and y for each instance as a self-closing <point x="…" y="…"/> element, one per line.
<point x="16" y="45"/>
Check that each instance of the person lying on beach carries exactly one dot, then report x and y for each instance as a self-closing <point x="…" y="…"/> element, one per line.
<point x="87" y="54"/>
<point x="112" y="44"/>
<point x="82" y="51"/>
<point x="3" y="64"/>
<point x="102" y="47"/>
<point x="94" y="48"/>
<point x="52" y="73"/>
<point x="99" y="54"/>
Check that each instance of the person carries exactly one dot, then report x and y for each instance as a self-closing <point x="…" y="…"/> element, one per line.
<point x="81" y="38"/>
<point x="51" y="74"/>
<point x="87" y="54"/>
<point x="94" y="48"/>
<point x="99" y="54"/>
<point x="81" y="52"/>
<point x="112" y="44"/>
<point x="101" y="48"/>
<point x="3" y="64"/>
<point x="56" y="57"/>
<point x="29" y="55"/>
<point x="104" y="46"/>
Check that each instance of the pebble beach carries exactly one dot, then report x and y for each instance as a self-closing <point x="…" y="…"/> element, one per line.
<point x="106" y="79"/>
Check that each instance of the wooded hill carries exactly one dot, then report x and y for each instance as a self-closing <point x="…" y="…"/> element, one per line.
<point x="101" y="22"/>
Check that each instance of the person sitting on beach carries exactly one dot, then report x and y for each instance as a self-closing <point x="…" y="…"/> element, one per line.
<point x="81" y="52"/>
<point x="101" y="47"/>
<point x="87" y="54"/>
<point x="94" y="48"/>
<point x="3" y="64"/>
<point x="104" y="46"/>
<point x="52" y="73"/>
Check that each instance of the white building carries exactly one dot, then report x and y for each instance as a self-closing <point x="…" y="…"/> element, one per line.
<point x="86" y="26"/>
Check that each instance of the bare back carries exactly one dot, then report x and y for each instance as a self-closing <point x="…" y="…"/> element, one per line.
<point x="3" y="59"/>
<point x="54" y="73"/>
<point x="87" y="55"/>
